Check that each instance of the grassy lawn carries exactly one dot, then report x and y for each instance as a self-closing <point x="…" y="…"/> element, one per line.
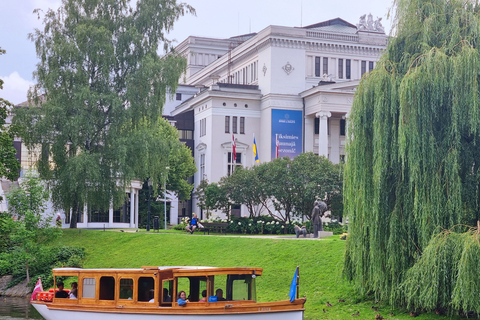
<point x="320" y="264"/>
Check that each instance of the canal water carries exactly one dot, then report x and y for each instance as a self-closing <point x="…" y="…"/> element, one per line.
<point x="17" y="308"/>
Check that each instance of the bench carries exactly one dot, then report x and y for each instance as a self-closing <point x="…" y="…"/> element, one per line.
<point x="220" y="227"/>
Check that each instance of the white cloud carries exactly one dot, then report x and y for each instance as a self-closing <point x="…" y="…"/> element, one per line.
<point x="15" y="88"/>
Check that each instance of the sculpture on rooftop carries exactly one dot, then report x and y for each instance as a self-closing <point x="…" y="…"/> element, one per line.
<point x="367" y="24"/>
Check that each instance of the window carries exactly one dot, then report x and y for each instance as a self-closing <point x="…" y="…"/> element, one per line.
<point x="227" y="124"/>
<point x="342" y="127"/>
<point x="370" y="65"/>
<point x="348" y="63"/>
<point x="340" y="68"/>
<point x="122" y="214"/>
<point x="193" y="287"/>
<point x="202" y="167"/>
<point x="179" y="96"/>
<point x="325" y="66"/>
<point x="107" y="288"/>
<point x="342" y="158"/>
<point x="203" y="127"/>
<point x="239" y="287"/>
<point x="242" y="125"/>
<point x="88" y="288"/>
<point x="185" y="134"/>
<point x="126" y="289"/>
<point x="364" y="67"/>
<point x="238" y="162"/>
<point x="167" y="292"/>
<point x="96" y="215"/>
<point x="317" y="125"/>
<point x="234" y="124"/>
<point x="146" y="288"/>
<point x="317" y="66"/>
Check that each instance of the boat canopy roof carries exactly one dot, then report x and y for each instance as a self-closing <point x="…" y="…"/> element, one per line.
<point x="176" y="270"/>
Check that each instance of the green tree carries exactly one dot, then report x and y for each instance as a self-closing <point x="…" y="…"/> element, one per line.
<point x="31" y="229"/>
<point x="412" y="154"/>
<point x="102" y="85"/>
<point x="248" y="189"/>
<point x="9" y="165"/>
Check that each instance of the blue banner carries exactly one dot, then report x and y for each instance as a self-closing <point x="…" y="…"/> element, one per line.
<point x="287" y="132"/>
<point x="293" y="286"/>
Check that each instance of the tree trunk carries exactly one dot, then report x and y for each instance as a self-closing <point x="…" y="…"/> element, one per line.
<point x="74" y="217"/>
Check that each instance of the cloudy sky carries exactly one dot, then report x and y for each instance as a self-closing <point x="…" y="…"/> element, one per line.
<point x="214" y="18"/>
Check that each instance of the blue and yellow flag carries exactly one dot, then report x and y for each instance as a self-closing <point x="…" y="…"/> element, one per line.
<point x="255" y="150"/>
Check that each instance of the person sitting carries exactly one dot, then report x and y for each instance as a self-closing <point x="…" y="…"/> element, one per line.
<point x="204" y="296"/>
<point x="61" y="293"/>
<point x="182" y="298"/>
<point x="193" y="224"/>
<point x="219" y="294"/>
<point x="166" y="296"/>
<point x="73" y="292"/>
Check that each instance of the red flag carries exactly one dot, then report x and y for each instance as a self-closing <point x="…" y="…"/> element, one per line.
<point x="277" y="145"/>
<point x="38" y="288"/>
<point x="234" y="152"/>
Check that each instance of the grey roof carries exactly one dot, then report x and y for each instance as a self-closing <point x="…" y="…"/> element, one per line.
<point x="334" y="25"/>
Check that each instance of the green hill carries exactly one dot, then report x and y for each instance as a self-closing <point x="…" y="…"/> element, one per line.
<point x="320" y="264"/>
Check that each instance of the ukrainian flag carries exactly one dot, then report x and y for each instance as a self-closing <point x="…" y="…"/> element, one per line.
<point x="255" y="150"/>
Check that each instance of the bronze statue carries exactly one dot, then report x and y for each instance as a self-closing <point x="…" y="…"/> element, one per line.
<point x="319" y="208"/>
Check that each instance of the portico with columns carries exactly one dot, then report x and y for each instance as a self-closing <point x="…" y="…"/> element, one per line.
<point x="325" y="118"/>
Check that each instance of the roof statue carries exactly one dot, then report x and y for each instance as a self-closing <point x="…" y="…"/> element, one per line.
<point x="367" y="24"/>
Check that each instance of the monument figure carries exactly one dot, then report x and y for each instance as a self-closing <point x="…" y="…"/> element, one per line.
<point x="319" y="208"/>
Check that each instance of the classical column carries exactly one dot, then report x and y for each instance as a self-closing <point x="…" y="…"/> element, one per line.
<point x="309" y="134"/>
<point x="132" y="208"/>
<point x="323" y="133"/>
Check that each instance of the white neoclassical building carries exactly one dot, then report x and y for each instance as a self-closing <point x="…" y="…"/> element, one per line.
<point x="283" y="85"/>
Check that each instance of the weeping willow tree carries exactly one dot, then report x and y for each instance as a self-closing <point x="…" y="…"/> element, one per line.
<point x="414" y="144"/>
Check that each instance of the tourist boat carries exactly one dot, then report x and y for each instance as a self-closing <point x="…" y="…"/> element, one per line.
<point x="146" y="293"/>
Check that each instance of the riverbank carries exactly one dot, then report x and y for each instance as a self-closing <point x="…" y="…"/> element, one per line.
<point x="20" y="290"/>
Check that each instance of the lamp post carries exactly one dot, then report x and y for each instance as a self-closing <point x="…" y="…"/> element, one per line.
<point x="149" y="201"/>
<point x="165" y="198"/>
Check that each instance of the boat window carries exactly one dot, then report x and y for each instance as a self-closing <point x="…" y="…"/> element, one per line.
<point x="88" y="288"/>
<point x="241" y="287"/>
<point x="220" y="286"/>
<point x="146" y="285"/>
<point x="126" y="289"/>
<point x="107" y="288"/>
<point x="193" y="287"/>
<point x="70" y="285"/>
<point x="167" y="289"/>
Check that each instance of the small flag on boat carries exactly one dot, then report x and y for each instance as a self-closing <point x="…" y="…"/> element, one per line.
<point x="293" y="286"/>
<point x="38" y="288"/>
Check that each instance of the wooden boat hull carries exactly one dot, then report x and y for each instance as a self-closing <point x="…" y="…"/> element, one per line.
<point x="259" y="311"/>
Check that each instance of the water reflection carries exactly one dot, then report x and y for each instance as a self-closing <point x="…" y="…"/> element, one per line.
<point x="17" y="308"/>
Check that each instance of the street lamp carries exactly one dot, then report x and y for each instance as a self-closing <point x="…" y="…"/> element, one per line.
<point x="149" y="200"/>
<point x="165" y="197"/>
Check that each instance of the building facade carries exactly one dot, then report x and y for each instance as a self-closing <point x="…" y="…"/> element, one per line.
<point x="290" y="88"/>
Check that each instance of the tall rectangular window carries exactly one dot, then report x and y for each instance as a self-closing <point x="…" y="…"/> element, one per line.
<point x="238" y="162"/>
<point x="342" y="127"/>
<point x="203" y="127"/>
<point x="242" y="125"/>
<point x="348" y="66"/>
<point x="202" y="167"/>
<point x="340" y="68"/>
<point x="234" y="124"/>
<point x="317" y="66"/>
<point x="179" y="96"/>
<point x="370" y="65"/>
<point x="325" y="66"/>
<point x="364" y="67"/>
<point x="227" y="124"/>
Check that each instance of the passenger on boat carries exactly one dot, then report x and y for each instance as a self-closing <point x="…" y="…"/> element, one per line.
<point x="73" y="292"/>
<point x="151" y="295"/>
<point x="166" y="296"/>
<point x="219" y="294"/>
<point x="182" y="298"/>
<point x="204" y="296"/>
<point x="193" y="224"/>
<point x="61" y="293"/>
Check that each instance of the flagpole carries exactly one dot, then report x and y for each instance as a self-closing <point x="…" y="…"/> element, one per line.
<point x="298" y="280"/>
